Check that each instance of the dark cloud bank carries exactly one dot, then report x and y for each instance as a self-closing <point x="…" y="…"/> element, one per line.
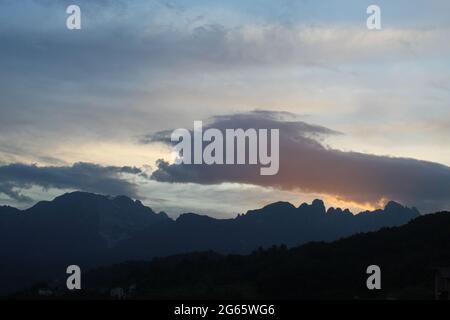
<point x="306" y="164"/>
<point x="309" y="166"/>
<point x="81" y="176"/>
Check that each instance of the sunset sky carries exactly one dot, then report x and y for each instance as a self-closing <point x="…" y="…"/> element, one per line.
<point x="364" y="115"/>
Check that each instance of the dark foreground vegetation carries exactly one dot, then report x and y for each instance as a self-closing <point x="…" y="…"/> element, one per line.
<point x="408" y="257"/>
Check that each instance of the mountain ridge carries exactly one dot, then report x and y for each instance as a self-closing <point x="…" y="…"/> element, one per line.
<point x="317" y="203"/>
<point x="92" y="230"/>
<point x="315" y="270"/>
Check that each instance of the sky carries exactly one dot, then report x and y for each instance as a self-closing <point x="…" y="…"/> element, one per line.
<point x="364" y="114"/>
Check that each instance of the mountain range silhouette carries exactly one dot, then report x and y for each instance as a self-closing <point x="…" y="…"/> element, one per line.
<point x="414" y="262"/>
<point x="93" y="230"/>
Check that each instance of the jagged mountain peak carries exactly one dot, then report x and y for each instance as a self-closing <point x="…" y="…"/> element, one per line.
<point x="393" y="205"/>
<point x="339" y="211"/>
<point x="78" y="198"/>
<point x="319" y="205"/>
<point x="78" y="195"/>
<point x="279" y="205"/>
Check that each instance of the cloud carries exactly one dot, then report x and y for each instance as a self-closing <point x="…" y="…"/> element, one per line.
<point x="139" y="64"/>
<point x="80" y="176"/>
<point x="308" y="165"/>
